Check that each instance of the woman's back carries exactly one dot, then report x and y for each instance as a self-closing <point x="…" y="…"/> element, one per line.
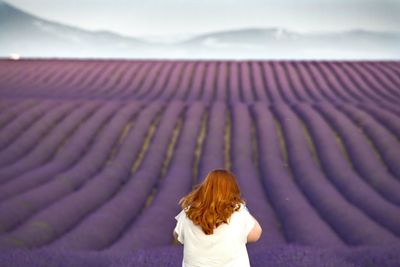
<point x="225" y="247"/>
<point x="215" y="225"/>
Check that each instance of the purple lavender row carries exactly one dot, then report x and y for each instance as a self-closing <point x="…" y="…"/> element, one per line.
<point x="258" y="83"/>
<point x="315" y="82"/>
<point x="126" y="202"/>
<point x="91" y="81"/>
<point x="132" y="199"/>
<point x="39" y="71"/>
<point x="31" y="73"/>
<point x="99" y="84"/>
<point x="154" y="226"/>
<point x="304" y="80"/>
<point x="77" y="202"/>
<point x="295" y="83"/>
<point x="69" y="80"/>
<point x="183" y="88"/>
<point x="63" y="82"/>
<point x="382" y="78"/>
<point x="170" y="73"/>
<point x="347" y="82"/>
<point x="333" y="84"/>
<point x="84" y="80"/>
<point x="234" y="83"/>
<point x="172" y="83"/>
<point x="221" y="83"/>
<point x="113" y="80"/>
<point x="169" y="83"/>
<point x="382" y="75"/>
<point x="271" y="83"/>
<point x="283" y="83"/>
<point x="343" y="217"/>
<point x="347" y="181"/>
<point x="15" y="82"/>
<point x="9" y="103"/>
<point x="132" y="86"/>
<point x="300" y="221"/>
<point x="34" y="85"/>
<point x="387" y="144"/>
<point x="208" y="90"/>
<point x="6" y="104"/>
<point x="246" y="85"/>
<point x="390" y="74"/>
<point x="59" y="83"/>
<point x="363" y="80"/>
<point x="197" y="83"/>
<point x="126" y="78"/>
<point x="31" y="137"/>
<point x="391" y="67"/>
<point x="248" y="177"/>
<point x="12" y="112"/>
<point x="361" y="154"/>
<point x="372" y="78"/>
<point x="51" y="77"/>
<point x="105" y="192"/>
<point x="17" y="209"/>
<point x="387" y="118"/>
<point x="212" y="156"/>
<point x="8" y="70"/>
<point x="32" y="164"/>
<point x="152" y="78"/>
<point x="319" y="83"/>
<point x="52" y="73"/>
<point x="24" y="121"/>
<point x="43" y="153"/>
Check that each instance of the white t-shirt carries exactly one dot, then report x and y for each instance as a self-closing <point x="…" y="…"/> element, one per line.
<point x="225" y="247"/>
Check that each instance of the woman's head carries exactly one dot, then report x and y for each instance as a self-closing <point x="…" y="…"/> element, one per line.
<point x="213" y="201"/>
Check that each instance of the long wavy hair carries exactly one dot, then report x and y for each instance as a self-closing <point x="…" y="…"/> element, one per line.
<point x="212" y="202"/>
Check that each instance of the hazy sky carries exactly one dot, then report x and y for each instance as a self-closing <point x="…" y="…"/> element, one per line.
<point x="154" y="17"/>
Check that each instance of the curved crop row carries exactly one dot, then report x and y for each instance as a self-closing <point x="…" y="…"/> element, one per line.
<point x="248" y="176"/>
<point x="300" y="222"/>
<point x="346" y="180"/>
<point x="12" y="212"/>
<point x="341" y="215"/>
<point x="150" y="228"/>
<point x="22" y="122"/>
<point x="246" y="81"/>
<point x="33" y="136"/>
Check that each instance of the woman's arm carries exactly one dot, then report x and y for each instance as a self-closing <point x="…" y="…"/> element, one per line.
<point x="255" y="233"/>
<point x="175" y="235"/>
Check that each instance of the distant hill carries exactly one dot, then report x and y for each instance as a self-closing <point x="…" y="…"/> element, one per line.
<point x="31" y="36"/>
<point x="280" y="43"/>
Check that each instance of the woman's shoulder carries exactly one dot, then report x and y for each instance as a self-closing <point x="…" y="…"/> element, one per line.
<point x="181" y="214"/>
<point x="241" y="208"/>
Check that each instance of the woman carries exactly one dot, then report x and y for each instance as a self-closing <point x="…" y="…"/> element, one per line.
<point x="214" y="224"/>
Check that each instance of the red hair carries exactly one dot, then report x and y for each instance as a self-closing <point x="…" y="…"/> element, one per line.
<point x="212" y="202"/>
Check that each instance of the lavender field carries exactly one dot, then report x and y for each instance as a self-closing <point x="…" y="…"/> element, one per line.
<point x="95" y="154"/>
